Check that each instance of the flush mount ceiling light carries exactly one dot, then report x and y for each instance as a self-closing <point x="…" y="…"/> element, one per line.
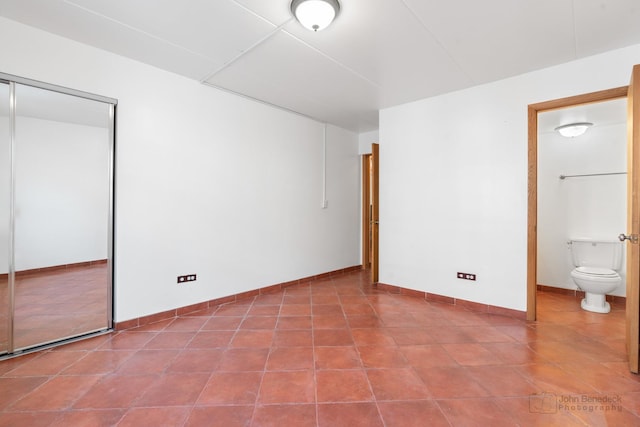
<point x="315" y="15"/>
<point x="572" y="130"/>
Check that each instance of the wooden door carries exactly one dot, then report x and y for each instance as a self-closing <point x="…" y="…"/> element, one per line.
<point x="375" y="178"/>
<point x="633" y="219"/>
<point x="366" y="211"/>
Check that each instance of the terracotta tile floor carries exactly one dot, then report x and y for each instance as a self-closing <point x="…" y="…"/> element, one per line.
<point x="335" y="353"/>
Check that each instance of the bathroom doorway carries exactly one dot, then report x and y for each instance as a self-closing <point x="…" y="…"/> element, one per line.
<point x="582" y="191"/>
<point x="632" y="93"/>
<point x="532" y="232"/>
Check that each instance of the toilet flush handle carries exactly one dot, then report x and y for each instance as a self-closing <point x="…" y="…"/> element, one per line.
<point x="633" y="238"/>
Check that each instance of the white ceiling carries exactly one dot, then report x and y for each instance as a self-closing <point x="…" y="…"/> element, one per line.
<point x="378" y="53"/>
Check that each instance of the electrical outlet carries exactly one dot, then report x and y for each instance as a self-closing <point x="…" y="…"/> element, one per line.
<point x="466" y="276"/>
<point x="187" y="278"/>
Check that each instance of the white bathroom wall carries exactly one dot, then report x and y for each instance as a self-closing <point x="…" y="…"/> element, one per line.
<point x="206" y="182"/>
<point x="593" y="207"/>
<point x="453" y="181"/>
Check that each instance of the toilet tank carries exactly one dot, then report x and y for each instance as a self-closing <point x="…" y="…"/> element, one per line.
<point x="596" y="253"/>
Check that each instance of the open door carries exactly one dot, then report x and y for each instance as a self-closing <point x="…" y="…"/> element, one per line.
<point x="366" y="211"/>
<point x="633" y="219"/>
<point x="375" y="178"/>
<point x="370" y="211"/>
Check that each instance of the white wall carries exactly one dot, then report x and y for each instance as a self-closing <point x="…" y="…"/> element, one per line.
<point x="62" y="189"/>
<point x="62" y="193"/>
<point x="5" y="180"/>
<point x="207" y="182"/>
<point x="366" y="139"/>
<point x="594" y="207"/>
<point x="453" y="181"/>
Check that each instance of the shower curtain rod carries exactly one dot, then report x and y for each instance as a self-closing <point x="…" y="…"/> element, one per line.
<point x="592" y="174"/>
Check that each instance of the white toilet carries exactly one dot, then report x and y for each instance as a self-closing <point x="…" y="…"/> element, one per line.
<point x="596" y="263"/>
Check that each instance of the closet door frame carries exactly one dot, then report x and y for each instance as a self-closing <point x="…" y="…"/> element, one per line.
<point x="12" y="80"/>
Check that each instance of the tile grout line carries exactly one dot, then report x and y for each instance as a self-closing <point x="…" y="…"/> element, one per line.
<point x="364" y="368"/>
<point x="193" y="406"/>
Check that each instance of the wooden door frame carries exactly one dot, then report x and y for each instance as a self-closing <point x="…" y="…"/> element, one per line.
<point x="370" y="210"/>
<point x="366" y="216"/>
<point x="532" y="211"/>
<point x="375" y="211"/>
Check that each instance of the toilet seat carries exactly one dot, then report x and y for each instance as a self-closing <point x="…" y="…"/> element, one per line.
<point x="596" y="272"/>
<point x="596" y="283"/>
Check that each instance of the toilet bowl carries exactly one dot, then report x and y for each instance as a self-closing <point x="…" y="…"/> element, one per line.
<point x="596" y="262"/>
<point x="596" y="283"/>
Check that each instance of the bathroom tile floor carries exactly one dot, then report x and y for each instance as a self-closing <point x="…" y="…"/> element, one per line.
<point x="335" y="353"/>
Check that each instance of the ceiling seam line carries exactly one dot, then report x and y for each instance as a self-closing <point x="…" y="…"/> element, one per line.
<point x="279" y="107"/>
<point x="330" y="58"/>
<point x="437" y="40"/>
<point x="254" y="13"/>
<point x="575" y="36"/>
<point x="137" y="30"/>
<point x="244" y="52"/>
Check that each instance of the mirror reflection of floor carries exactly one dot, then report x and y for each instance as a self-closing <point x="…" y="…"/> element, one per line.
<point x="57" y="303"/>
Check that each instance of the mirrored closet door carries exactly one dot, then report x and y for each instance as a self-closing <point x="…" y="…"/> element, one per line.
<point x="58" y="204"/>
<point x="5" y="217"/>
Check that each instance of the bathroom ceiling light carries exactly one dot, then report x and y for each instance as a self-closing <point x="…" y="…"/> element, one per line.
<point x="315" y="15"/>
<point x="572" y="130"/>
